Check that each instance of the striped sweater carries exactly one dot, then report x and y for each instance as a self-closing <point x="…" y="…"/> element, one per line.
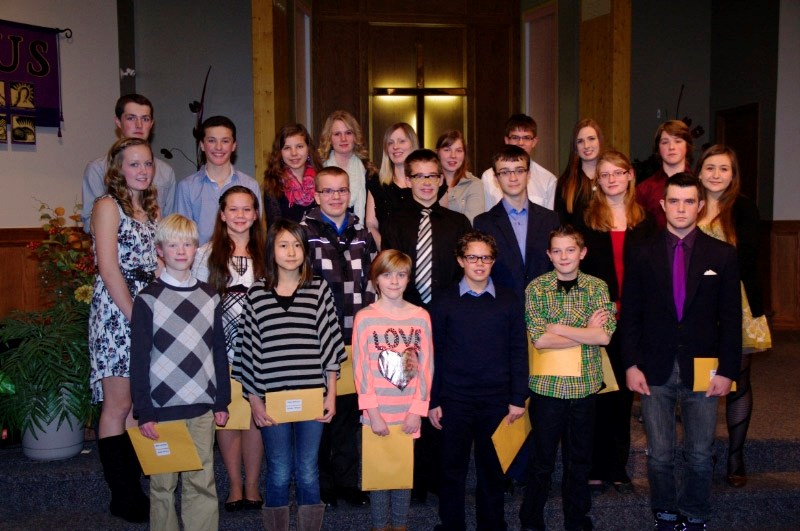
<point x="288" y="349"/>
<point x="375" y="332"/>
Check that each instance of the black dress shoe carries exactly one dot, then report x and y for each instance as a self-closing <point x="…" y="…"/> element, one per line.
<point x="234" y="506"/>
<point x="737" y="481"/>
<point x="252" y="505"/>
<point x="353" y="496"/>
<point x="329" y="499"/>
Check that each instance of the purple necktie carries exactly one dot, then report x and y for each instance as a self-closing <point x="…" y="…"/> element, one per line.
<point x="679" y="279"/>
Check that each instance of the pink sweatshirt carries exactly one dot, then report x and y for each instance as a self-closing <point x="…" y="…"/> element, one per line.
<point x="381" y="339"/>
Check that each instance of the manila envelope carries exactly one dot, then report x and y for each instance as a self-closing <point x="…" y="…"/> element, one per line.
<point x="238" y="410"/>
<point x="508" y="440"/>
<point x="554" y="361"/>
<point x="702" y="367"/>
<point x="346" y="384"/>
<point x="387" y="463"/>
<point x="608" y="374"/>
<point x="296" y="405"/>
<point x="174" y="451"/>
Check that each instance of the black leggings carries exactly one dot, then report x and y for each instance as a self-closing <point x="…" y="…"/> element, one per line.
<point x="739" y="408"/>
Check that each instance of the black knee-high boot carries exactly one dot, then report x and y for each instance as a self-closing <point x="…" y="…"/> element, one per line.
<point x="117" y="469"/>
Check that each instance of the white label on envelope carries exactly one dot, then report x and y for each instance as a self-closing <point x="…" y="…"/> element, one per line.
<point x="294" y="405"/>
<point x="161" y="448"/>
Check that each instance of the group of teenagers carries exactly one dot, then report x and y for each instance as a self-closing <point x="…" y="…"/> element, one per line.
<point x="424" y="285"/>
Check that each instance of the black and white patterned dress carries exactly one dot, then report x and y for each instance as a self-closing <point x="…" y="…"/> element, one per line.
<point x="241" y="270"/>
<point x="109" y="329"/>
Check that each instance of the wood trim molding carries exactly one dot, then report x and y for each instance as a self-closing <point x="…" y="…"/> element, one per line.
<point x="20" y="237"/>
<point x="785" y="274"/>
<point x="263" y="83"/>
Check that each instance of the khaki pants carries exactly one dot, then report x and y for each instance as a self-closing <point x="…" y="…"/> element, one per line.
<point x="199" y="506"/>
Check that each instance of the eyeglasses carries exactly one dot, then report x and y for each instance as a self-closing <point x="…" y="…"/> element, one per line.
<point x="330" y="192"/>
<point x="615" y="173"/>
<point x="473" y="259"/>
<point x="517" y="138"/>
<point x="519" y="172"/>
<point x="423" y="177"/>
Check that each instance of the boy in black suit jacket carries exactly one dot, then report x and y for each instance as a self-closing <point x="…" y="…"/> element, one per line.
<point x="520" y="227"/>
<point x="424" y="177"/>
<point x="681" y="301"/>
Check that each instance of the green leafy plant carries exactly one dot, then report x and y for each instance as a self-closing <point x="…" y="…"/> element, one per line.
<point x="44" y="357"/>
<point x="47" y="363"/>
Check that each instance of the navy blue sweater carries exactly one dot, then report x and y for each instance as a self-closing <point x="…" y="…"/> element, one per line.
<point x="480" y="348"/>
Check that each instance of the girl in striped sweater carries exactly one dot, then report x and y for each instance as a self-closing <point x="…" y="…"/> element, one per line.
<point x="393" y="364"/>
<point x="291" y="339"/>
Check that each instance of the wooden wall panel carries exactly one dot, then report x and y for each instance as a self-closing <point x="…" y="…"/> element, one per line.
<point x="341" y="49"/>
<point x="785" y="275"/>
<point x="263" y="84"/>
<point x="337" y="71"/>
<point x="495" y="89"/>
<point x="19" y="275"/>
<point x="605" y="72"/>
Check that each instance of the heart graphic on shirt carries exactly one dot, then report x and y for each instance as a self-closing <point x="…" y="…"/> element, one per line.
<point x="399" y="368"/>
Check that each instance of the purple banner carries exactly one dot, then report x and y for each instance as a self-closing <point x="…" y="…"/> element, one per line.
<point x="29" y="77"/>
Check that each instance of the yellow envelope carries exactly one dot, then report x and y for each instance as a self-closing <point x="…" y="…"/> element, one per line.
<point x="706" y="366"/>
<point x="296" y="405"/>
<point x="608" y="374"/>
<point x="346" y="384"/>
<point x="508" y="440"/>
<point x="174" y="451"/>
<point x="239" y="412"/>
<point x="387" y="463"/>
<point x="554" y="361"/>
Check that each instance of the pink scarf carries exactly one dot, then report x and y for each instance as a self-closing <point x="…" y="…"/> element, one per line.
<point x="300" y="193"/>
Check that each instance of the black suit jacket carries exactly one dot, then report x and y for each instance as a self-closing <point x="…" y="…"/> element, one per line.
<point x="447" y="227"/>
<point x="509" y="270"/>
<point x="712" y="316"/>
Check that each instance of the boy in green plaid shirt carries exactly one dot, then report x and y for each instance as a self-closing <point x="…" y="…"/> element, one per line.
<point x="565" y="308"/>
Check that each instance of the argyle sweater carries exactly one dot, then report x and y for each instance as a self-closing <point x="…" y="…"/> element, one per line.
<point x="177" y="353"/>
<point x="343" y="260"/>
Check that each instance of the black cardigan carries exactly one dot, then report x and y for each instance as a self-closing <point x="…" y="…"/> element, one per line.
<point x="746" y="222"/>
<point x="599" y="261"/>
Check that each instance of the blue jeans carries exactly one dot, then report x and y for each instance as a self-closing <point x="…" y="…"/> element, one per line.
<point x="699" y="419"/>
<point x="291" y="448"/>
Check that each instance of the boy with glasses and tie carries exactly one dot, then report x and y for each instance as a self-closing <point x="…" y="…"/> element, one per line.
<point x="480" y="380"/>
<point x="521" y="131"/>
<point x="428" y="233"/>
<point x="341" y="250"/>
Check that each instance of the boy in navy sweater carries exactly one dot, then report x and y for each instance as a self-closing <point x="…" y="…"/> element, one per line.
<point x="179" y="371"/>
<point x="481" y="359"/>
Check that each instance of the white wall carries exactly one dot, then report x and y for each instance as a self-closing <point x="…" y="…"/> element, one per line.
<point x="52" y="169"/>
<point x="787" y="119"/>
<point x="176" y="41"/>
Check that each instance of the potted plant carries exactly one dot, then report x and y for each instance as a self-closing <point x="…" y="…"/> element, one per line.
<point x="44" y="357"/>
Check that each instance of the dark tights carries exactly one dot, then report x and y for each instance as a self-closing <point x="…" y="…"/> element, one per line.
<point x="739" y="407"/>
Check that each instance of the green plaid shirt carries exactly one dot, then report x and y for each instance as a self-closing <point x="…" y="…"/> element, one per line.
<point x="545" y="303"/>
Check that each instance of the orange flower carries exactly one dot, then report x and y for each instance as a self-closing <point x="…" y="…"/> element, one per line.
<point x="59" y="211"/>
